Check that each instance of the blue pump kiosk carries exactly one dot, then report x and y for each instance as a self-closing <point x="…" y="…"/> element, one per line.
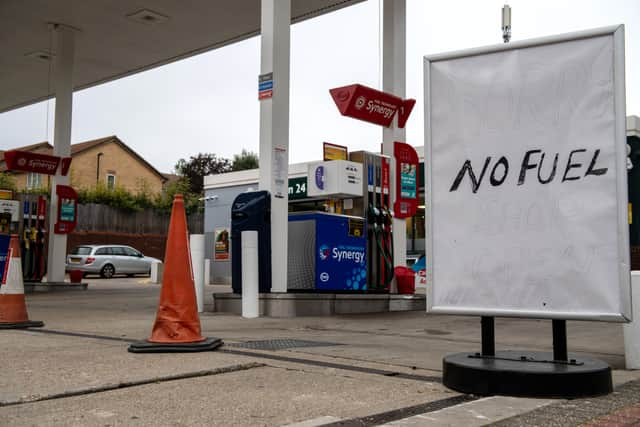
<point x="327" y="253"/>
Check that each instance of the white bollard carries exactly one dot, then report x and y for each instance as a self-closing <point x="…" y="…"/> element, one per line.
<point x="632" y="330"/>
<point x="250" y="298"/>
<point x="157" y="269"/>
<point x="196" y="246"/>
<point x="207" y="271"/>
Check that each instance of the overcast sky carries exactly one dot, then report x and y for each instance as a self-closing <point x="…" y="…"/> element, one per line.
<point x="208" y="103"/>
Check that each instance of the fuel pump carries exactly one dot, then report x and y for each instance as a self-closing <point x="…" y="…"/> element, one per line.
<point x="39" y="241"/>
<point x="374" y="206"/>
<point x="25" y="241"/>
<point x="385" y="208"/>
<point x="33" y="238"/>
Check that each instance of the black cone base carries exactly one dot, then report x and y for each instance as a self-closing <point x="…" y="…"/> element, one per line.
<point x="151" y="347"/>
<point x="22" y="325"/>
<point x="536" y="376"/>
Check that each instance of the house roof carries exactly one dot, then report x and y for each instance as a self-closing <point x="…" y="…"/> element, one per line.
<point x="46" y="148"/>
<point x="33" y="147"/>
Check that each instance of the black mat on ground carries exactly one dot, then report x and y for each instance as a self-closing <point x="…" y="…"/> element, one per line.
<point x="150" y="347"/>
<point x="281" y="344"/>
<point x="22" y="325"/>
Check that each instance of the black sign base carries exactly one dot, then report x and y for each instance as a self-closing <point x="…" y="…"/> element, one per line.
<point x="22" y="325"/>
<point x="151" y="347"/>
<point x="526" y="374"/>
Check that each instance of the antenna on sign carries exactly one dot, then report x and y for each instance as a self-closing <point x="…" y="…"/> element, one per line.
<point x="506" y="23"/>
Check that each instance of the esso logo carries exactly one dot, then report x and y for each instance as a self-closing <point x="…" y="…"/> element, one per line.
<point x="323" y="252"/>
<point x="320" y="177"/>
<point x="324" y="276"/>
<point x="360" y="101"/>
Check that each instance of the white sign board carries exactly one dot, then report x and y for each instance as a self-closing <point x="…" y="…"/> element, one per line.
<point x="334" y="178"/>
<point x="12" y="207"/>
<point x="526" y="179"/>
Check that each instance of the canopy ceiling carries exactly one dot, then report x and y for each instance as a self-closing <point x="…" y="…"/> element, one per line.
<point x="114" y="42"/>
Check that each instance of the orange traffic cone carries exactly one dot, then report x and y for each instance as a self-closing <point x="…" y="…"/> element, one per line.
<point x="177" y="325"/>
<point x="13" y="309"/>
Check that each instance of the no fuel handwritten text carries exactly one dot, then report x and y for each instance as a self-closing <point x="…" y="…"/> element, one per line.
<point x="579" y="164"/>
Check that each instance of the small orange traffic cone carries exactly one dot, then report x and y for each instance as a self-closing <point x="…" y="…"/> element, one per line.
<point x="13" y="308"/>
<point x="177" y="325"/>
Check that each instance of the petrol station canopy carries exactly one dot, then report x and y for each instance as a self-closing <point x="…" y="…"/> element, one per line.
<point x="120" y="38"/>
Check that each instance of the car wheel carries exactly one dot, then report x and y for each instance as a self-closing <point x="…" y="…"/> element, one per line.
<point x="107" y="271"/>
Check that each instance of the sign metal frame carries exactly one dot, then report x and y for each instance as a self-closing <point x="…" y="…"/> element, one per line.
<point x="618" y="87"/>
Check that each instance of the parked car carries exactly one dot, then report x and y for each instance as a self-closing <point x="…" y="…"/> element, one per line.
<point x="107" y="260"/>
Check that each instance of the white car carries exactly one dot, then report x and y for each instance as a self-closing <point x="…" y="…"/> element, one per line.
<point x="108" y="260"/>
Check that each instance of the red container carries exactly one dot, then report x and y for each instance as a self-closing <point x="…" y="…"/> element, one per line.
<point x="406" y="280"/>
<point x="75" y="276"/>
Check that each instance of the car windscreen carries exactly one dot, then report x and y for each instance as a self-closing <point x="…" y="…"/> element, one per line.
<point x="81" y="250"/>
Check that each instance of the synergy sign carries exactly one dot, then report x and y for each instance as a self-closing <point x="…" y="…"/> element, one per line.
<point x="342" y="253"/>
<point x="364" y="103"/>
<point x="34" y="162"/>
<point x="341" y="264"/>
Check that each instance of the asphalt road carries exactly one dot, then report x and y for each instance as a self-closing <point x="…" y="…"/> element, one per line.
<point x="374" y="369"/>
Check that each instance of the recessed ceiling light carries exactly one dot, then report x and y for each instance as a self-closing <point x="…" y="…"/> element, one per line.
<point x="147" y="16"/>
<point x="40" y="55"/>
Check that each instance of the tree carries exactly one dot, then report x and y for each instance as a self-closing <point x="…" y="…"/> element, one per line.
<point x="7" y="181"/>
<point x="164" y="201"/>
<point x="196" y="168"/>
<point x="245" y="160"/>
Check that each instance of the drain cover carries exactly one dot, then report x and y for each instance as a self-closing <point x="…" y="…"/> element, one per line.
<point x="280" y="344"/>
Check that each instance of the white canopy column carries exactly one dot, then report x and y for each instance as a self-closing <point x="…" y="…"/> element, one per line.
<point x="274" y="130"/>
<point x="63" y="80"/>
<point x="394" y="82"/>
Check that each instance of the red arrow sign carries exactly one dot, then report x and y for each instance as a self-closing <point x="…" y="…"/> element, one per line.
<point x="371" y="105"/>
<point x="34" y="162"/>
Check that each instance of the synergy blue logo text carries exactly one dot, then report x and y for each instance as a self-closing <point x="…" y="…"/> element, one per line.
<point x="342" y="253"/>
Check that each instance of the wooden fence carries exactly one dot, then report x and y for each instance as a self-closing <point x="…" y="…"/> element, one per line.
<point x="99" y="224"/>
<point x="93" y="217"/>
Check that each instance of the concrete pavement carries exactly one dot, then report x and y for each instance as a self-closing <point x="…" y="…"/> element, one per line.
<point x="344" y="370"/>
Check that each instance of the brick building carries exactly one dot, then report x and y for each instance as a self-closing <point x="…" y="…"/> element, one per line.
<point x="106" y="160"/>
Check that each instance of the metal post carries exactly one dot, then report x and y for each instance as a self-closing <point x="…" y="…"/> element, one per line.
<point x="274" y="130"/>
<point x="394" y="81"/>
<point x="560" y="340"/>
<point x="488" y="336"/>
<point x="61" y="143"/>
